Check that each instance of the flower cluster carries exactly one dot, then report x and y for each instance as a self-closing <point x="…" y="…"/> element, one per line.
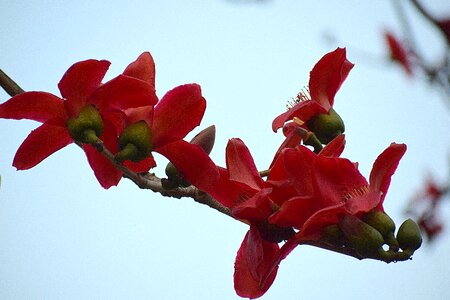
<point x="309" y="195"/>
<point x="123" y="115"/>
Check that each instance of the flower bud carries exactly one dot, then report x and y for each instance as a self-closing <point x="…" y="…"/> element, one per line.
<point x="332" y="234"/>
<point x="381" y="222"/>
<point x="326" y="126"/>
<point x="408" y="236"/>
<point x="87" y="126"/>
<point x="274" y="233"/>
<point x="205" y="138"/>
<point x="135" y="142"/>
<point x="365" y="239"/>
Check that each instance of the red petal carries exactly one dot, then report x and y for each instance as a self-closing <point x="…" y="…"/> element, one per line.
<point x="192" y="162"/>
<point x="41" y="143"/>
<point x="142" y="68"/>
<point x="294" y="212"/>
<point x="178" y="112"/>
<point x="327" y="76"/>
<point x="241" y="166"/>
<point x="304" y="110"/>
<point x="226" y="192"/>
<point x="255" y="259"/>
<point x="384" y="167"/>
<point x="80" y="80"/>
<point x="142" y="166"/>
<point x="334" y="178"/>
<point x="398" y="52"/>
<point x="298" y="164"/>
<point x="335" y="147"/>
<point x="104" y="170"/>
<point x="123" y="92"/>
<point x="257" y="208"/>
<point x="37" y="106"/>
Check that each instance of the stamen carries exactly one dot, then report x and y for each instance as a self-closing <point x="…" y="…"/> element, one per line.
<point x="358" y="192"/>
<point x="303" y="95"/>
<point x="298" y="121"/>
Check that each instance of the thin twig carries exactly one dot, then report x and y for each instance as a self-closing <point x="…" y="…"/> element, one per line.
<point x="9" y="85"/>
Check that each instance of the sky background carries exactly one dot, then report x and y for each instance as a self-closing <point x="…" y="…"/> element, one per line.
<point x="64" y="237"/>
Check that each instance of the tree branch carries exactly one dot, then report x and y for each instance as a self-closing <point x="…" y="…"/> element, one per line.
<point x="9" y="85"/>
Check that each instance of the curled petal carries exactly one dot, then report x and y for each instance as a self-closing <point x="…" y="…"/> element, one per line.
<point x="303" y="110"/>
<point x="80" y="80"/>
<point x="241" y="166"/>
<point x="142" y="68"/>
<point x="295" y="212"/>
<point x="37" y="106"/>
<point x="123" y="92"/>
<point x="327" y="77"/>
<point x="384" y="167"/>
<point x="254" y="269"/>
<point x="41" y="143"/>
<point x="335" y="147"/>
<point x="257" y="208"/>
<point x="178" y="112"/>
<point x="192" y="162"/>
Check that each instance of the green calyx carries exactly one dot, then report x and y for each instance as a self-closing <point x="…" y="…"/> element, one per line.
<point x="87" y="126"/>
<point x="408" y="236"/>
<point x="365" y="239"/>
<point x="332" y="234"/>
<point x="174" y="178"/>
<point x="135" y="142"/>
<point x="326" y="126"/>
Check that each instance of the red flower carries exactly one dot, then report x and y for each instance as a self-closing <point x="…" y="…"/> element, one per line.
<point x="328" y="187"/>
<point x="325" y="80"/>
<point x="241" y="188"/>
<point x="398" y="52"/>
<point x="168" y="122"/>
<point x="80" y="87"/>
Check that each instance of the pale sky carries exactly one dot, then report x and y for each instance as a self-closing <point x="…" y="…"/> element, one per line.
<point x="63" y="237"/>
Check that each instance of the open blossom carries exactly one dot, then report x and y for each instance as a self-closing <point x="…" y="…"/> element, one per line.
<point x="81" y="89"/>
<point x="167" y="123"/>
<point x="325" y="80"/>
<point x="398" y="52"/>
<point x="305" y="191"/>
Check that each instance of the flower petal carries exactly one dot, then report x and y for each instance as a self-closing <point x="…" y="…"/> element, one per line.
<point x="398" y="53"/>
<point x="80" y="80"/>
<point x="123" y="92"/>
<point x="192" y="163"/>
<point x="104" y="170"/>
<point x="327" y="77"/>
<point x="303" y="110"/>
<point x="178" y="112"/>
<point x="41" y="143"/>
<point x="335" y="147"/>
<point x="334" y="178"/>
<point x="142" y="68"/>
<point x="255" y="259"/>
<point x="257" y="208"/>
<point x="294" y="212"/>
<point x="384" y="167"/>
<point x="37" y="106"/>
<point x="241" y="166"/>
<point x="141" y="166"/>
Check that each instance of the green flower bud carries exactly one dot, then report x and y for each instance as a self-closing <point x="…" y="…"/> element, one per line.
<point x="135" y="142"/>
<point x="332" y="234"/>
<point x="408" y="236"/>
<point x="381" y="222"/>
<point x="87" y="127"/>
<point x="365" y="239"/>
<point x="174" y="178"/>
<point x="326" y="126"/>
<point x="274" y="233"/>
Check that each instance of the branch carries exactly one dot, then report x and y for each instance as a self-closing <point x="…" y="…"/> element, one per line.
<point x="9" y="85"/>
